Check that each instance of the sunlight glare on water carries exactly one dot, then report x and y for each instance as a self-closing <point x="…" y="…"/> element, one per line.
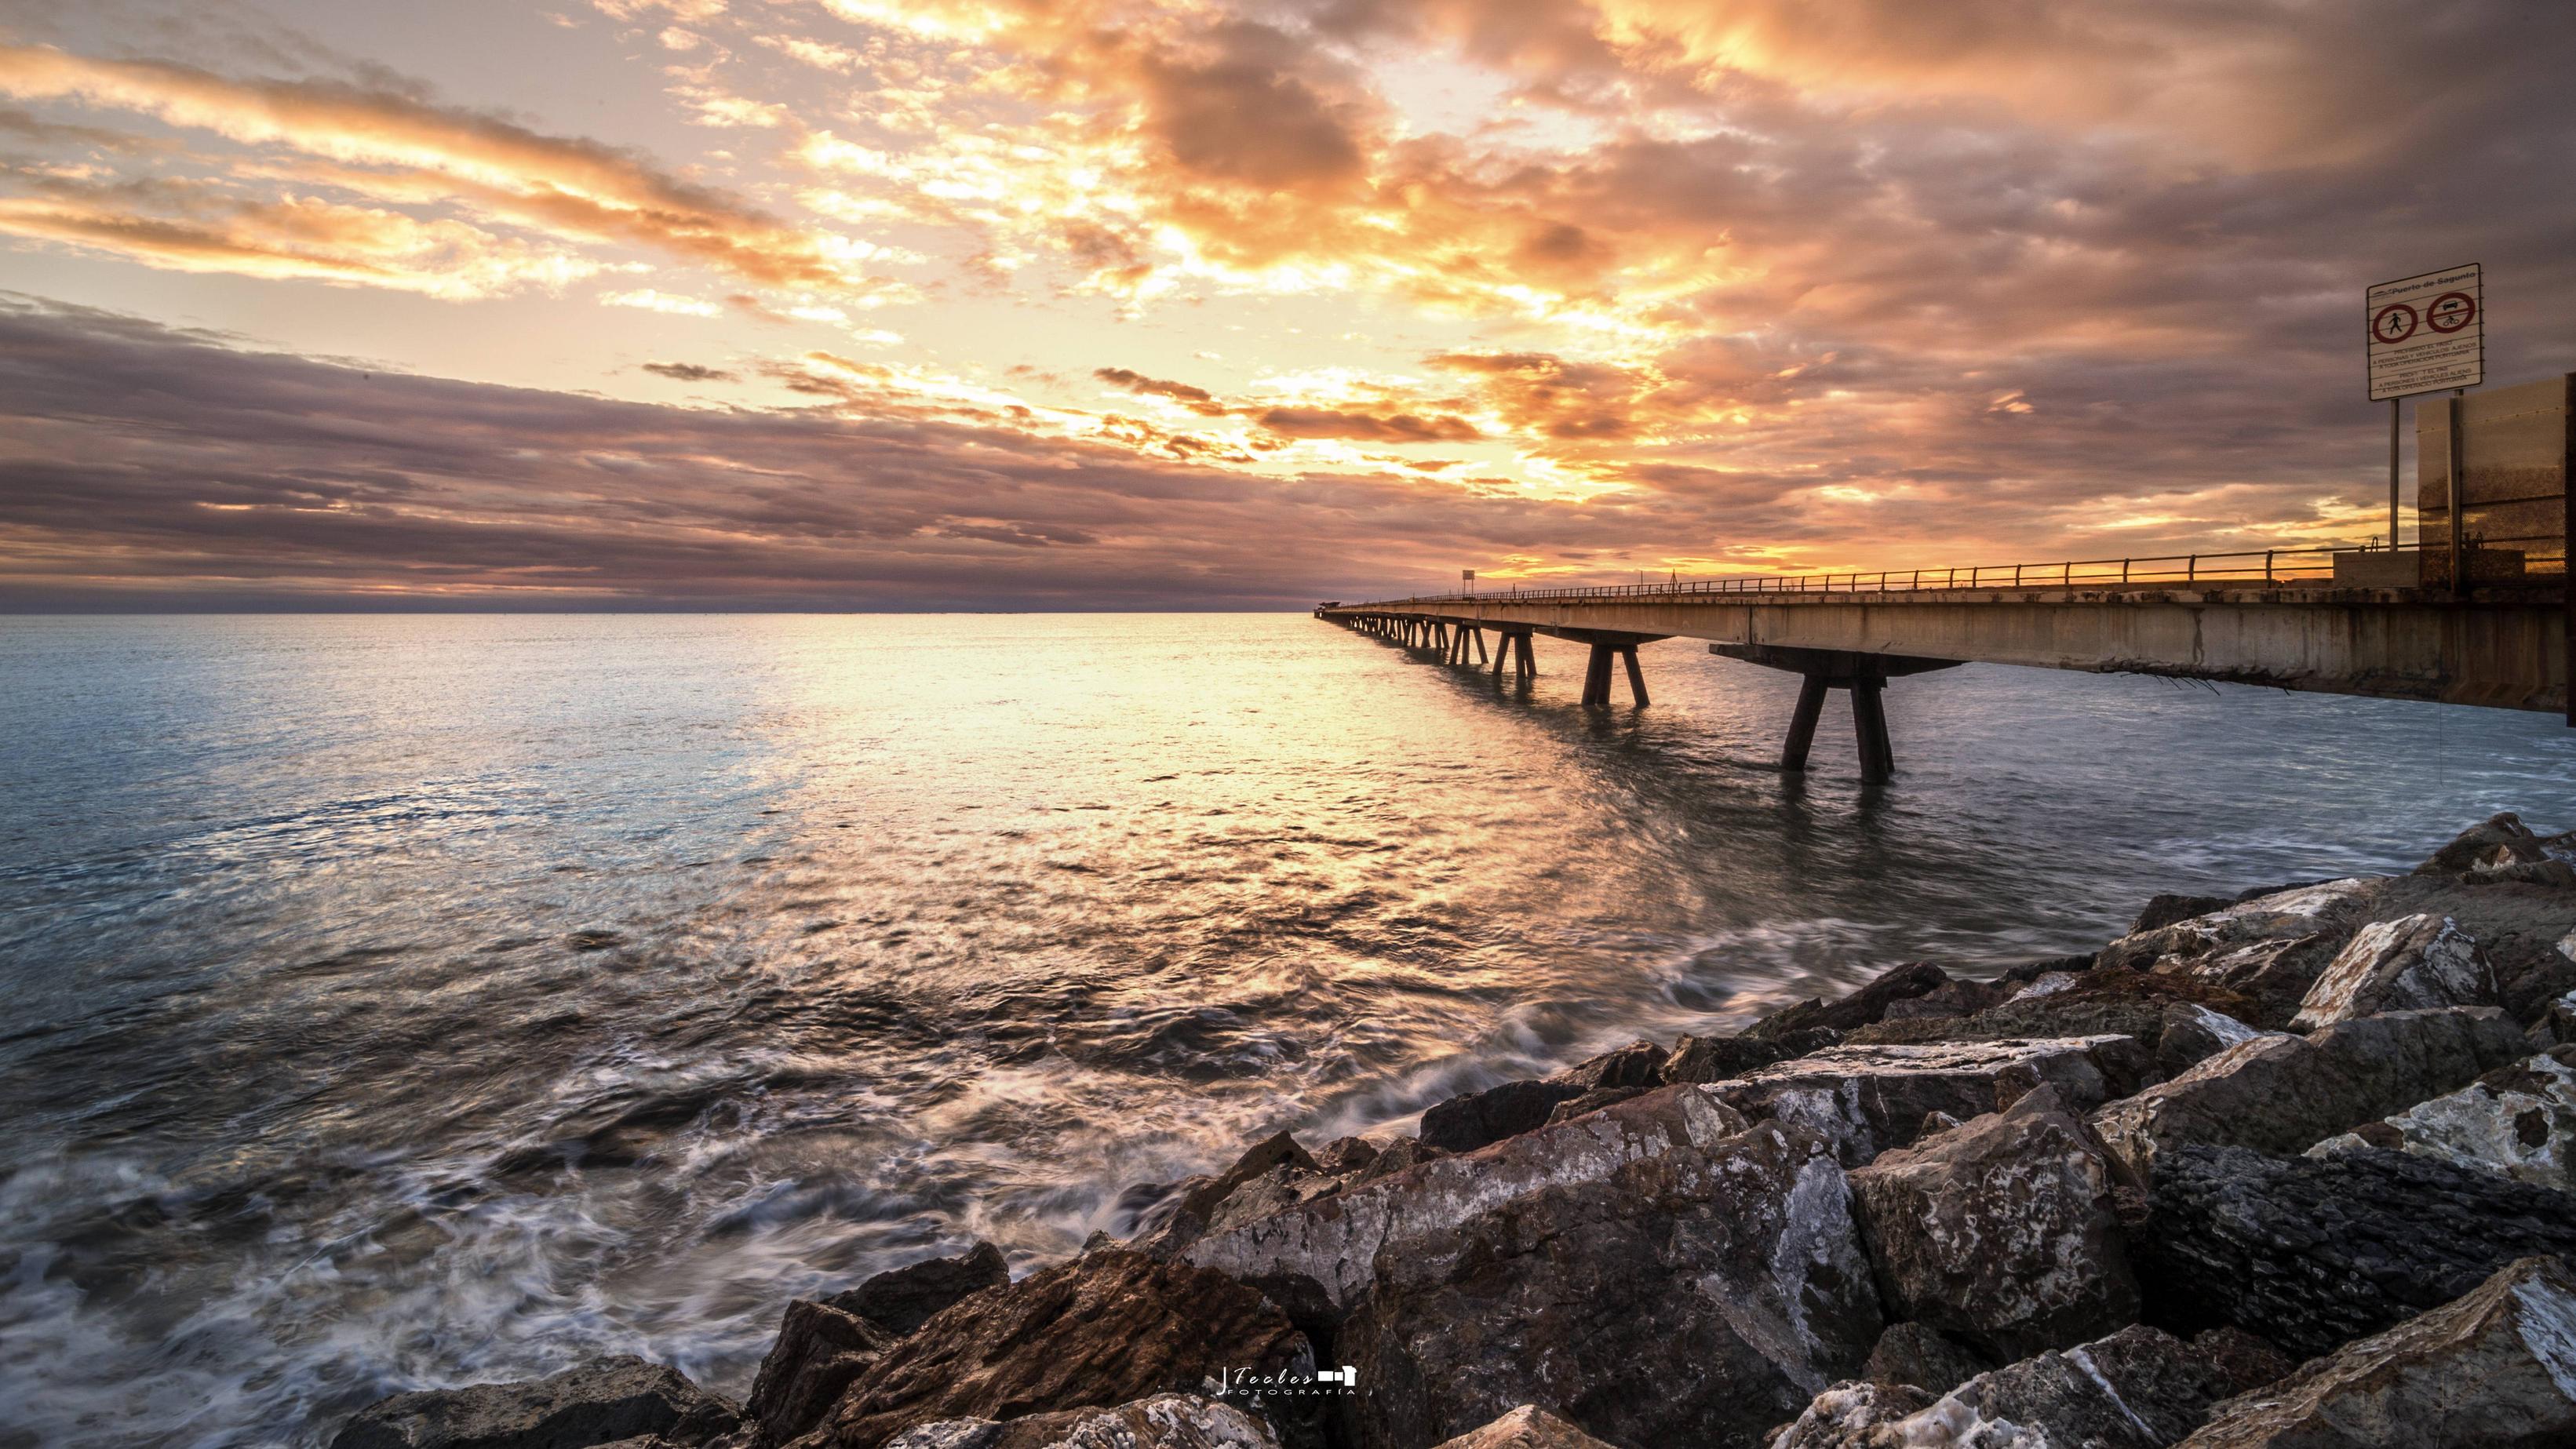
<point x="408" y="1001"/>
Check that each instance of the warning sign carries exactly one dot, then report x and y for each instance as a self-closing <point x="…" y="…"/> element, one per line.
<point x="2427" y="333"/>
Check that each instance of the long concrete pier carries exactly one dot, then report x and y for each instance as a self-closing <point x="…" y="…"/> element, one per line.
<point x="2503" y="645"/>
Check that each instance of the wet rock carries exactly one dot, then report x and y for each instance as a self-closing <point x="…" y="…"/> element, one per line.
<point x="900" y="1301"/>
<point x="2136" y="1389"/>
<point x="2413" y="963"/>
<point x="2518" y="1120"/>
<point x="598" y="1403"/>
<point x="1110" y="1328"/>
<point x="2189" y="1035"/>
<point x="1320" y="1259"/>
<point x="1344" y="1156"/>
<point x="1639" y="1064"/>
<point x="1923" y="1356"/>
<point x="1592" y="1101"/>
<point x="2496" y="1368"/>
<point x="2311" y="1253"/>
<point x="2163" y="910"/>
<point x="1860" y="1008"/>
<point x="2555" y="874"/>
<point x="1717" y="1058"/>
<point x="1953" y="999"/>
<point x="1480" y="1119"/>
<point x="1272" y="1152"/>
<point x="1867" y="1099"/>
<point x="1166" y="1421"/>
<point x="1527" y="1427"/>
<point x="819" y="1351"/>
<point x="2269" y="949"/>
<point x="2499" y="840"/>
<point x="1395" y="1157"/>
<point x="2093" y="1003"/>
<point x="2556" y="1026"/>
<point x="2284" y="1094"/>
<point x="1693" y="1296"/>
<point x="2000" y="1231"/>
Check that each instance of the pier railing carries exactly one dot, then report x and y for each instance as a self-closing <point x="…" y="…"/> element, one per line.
<point x="2250" y="567"/>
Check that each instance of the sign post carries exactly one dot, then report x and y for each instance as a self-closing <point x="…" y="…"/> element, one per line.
<point x="1468" y="577"/>
<point x="2425" y="334"/>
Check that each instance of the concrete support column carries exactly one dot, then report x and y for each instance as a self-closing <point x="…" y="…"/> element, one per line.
<point x="1869" y="723"/>
<point x="1636" y="678"/>
<point x="1802" y="724"/>
<point x="1596" y="677"/>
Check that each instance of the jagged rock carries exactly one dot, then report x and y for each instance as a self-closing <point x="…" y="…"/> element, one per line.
<point x="1319" y="1260"/>
<point x="2136" y="1389"/>
<point x="1693" y="1296"/>
<point x="1717" y="1058"/>
<point x="1639" y="1064"/>
<point x="2499" y="840"/>
<point x="597" y="1403"/>
<point x="1480" y="1119"/>
<point x="2163" y="910"/>
<point x="903" y="1299"/>
<point x="2270" y="949"/>
<point x="819" y="1351"/>
<point x="2190" y="1035"/>
<point x="1166" y="1421"/>
<point x="2311" y="1253"/>
<point x="2556" y="1025"/>
<point x="2555" y="874"/>
<point x="1399" y="1155"/>
<point x="1866" y="1099"/>
<point x="1344" y="1156"/>
<point x="1953" y="999"/>
<point x="2518" y="1120"/>
<point x="2000" y="1231"/>
<point x="1861" y="1008"/>
<point x="1592" y="1101"/>
<point x="2284" y="1093"/>
<point x="2092" y="1003"/>
<point x="1102" y="1330"/>
<point x="1272" y="1152"/>
<point x="1527" y="1427"/>
<point x="1862" y="1415"/>
<point x="2494" y="1369"/>
<point x="2413" y="963"/>
<point x="1924" y="1357"/>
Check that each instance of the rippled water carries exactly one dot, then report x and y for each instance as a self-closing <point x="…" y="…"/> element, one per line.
<point x="390" y="1002"/>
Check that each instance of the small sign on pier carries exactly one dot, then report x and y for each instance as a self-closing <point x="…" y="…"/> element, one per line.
<point x="2427" y="333"/>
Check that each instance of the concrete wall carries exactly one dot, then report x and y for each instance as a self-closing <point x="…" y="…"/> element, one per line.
<point x="2511" y="655"/>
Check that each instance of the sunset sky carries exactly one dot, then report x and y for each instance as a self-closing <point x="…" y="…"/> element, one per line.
<point x="996" y="303"/>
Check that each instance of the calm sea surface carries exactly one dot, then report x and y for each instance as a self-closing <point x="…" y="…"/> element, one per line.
<point x="396" y="1002"/>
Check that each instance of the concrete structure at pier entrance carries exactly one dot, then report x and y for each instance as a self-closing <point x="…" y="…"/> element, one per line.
<point x="2456" y="618"/>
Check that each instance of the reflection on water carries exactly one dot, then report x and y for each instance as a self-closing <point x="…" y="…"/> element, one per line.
<point x="407" y="1001"/>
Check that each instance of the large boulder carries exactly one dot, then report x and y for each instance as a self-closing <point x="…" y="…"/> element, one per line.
<point x="1527" y="1427"/>
<point x="1166" y="1421"/>
<point x="1867" y="1099"/>
<point x="2518" y="1120"/>
<point x="2284" y="1094"/>
<point x="903" y="1299"/>
<point x="2311" y="1253"/>
<point x="597" y="1403"/>
<point x="2269" y="949"/>
<point x="1694" y="1296"/>
<point x="2136" y="1389"/>
<point x="2000" y="1231"/>
<point x="819" y="1352"/>
<point x="1923" y="1356"/>
<point x="1319" y="1259"/>
<point x="2495" y="1368"/>
<point x="1108" y="1328"/>
<point x="2499" y="840"/>
<point x="1480" y="1119"/>
<point x="2413" y="963"/>
<point x="1717" y="1058"/>
<point x="2137" y="1004"/>
<point x="1857" y="1009"/>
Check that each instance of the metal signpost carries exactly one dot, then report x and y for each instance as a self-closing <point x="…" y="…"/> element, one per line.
<point x="2426" y="334"/>
<point x="1468" y="577"/>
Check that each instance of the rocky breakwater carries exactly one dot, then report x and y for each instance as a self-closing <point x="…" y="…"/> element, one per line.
<point x="2287" y="1169"/>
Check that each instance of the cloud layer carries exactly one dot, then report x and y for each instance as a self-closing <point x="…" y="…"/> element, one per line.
<point x="1616" y="283"/>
